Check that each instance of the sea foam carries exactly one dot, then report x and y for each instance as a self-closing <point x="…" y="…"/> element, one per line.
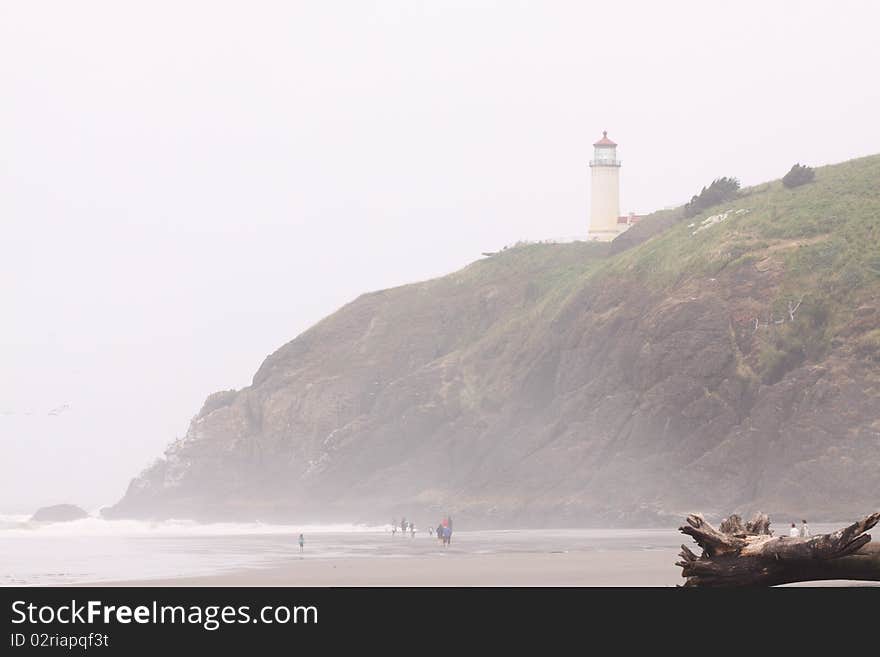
<point x="12" y="525"/>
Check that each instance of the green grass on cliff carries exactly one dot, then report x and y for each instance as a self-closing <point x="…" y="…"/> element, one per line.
<point x="825" y="237"/>
<point x="835" y="222"/>
<point x="822" y="240"/>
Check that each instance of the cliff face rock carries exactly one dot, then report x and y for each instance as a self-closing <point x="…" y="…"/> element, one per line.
<point x="570" y="385"/>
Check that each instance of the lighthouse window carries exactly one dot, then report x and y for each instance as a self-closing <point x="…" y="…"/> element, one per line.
<point x="604" y="155"/>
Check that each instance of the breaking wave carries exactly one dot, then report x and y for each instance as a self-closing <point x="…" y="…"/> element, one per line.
<point x="21" y="525"/>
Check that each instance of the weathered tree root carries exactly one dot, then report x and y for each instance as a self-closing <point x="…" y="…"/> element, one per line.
<point x="749" y="555"/>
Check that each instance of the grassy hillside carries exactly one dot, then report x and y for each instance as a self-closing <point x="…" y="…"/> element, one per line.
<point x="823" y="240"/>
<point x="829" y="231"/>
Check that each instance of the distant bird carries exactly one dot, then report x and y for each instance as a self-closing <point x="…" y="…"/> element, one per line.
<point x="58" y="410"/>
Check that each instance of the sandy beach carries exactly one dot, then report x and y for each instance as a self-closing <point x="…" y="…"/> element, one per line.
<point x="595" y="568"/>
<point x="101" y="553"/>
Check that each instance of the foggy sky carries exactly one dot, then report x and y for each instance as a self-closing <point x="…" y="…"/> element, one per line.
<point x="186" y="186"/>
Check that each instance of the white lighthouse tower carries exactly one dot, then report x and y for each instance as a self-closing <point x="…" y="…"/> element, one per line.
<point x="605" y="190"/>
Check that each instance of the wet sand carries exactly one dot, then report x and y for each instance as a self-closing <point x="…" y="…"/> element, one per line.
<point x="588" y="557"/>
<point x="590" y="568"/>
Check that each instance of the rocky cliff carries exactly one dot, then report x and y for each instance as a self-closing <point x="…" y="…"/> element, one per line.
<point x="724" y="363"/>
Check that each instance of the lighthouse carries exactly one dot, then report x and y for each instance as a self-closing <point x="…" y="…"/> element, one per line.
<point x="605" y="191"/>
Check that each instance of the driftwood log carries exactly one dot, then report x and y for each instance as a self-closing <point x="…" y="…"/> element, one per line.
<point x="747" y="554"/>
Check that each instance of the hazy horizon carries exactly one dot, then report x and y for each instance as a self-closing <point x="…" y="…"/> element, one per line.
<point x="187" y="186"/>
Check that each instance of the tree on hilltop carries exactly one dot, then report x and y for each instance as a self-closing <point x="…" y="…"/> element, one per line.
<point x="798" y="175"/>
<point x="721" y="190"/>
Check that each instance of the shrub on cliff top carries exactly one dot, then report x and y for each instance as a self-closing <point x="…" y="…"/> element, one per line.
<point x="721" y="190"/>
<point x="798" y="175"/>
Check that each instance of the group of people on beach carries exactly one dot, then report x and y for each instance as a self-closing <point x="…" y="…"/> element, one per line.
<point x="803" y="532"/>
<point x="443" y="531"/>
<point x="404" y="527"/>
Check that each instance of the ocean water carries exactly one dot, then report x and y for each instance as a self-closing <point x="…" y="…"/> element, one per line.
<point x="96" y="550"/>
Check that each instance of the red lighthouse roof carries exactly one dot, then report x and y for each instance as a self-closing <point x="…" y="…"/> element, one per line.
<point x="604" y="141"/>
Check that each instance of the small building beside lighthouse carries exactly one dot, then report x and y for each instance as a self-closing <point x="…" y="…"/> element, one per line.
<point x="606" y="223"/>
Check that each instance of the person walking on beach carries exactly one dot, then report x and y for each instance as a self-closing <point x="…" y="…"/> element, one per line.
<point x="793" y="532"/>
<point x="302" y="542"/>
<point x="805" y="529"/>
<point x="440" y="532"/>
<point x="450" y="529"/>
